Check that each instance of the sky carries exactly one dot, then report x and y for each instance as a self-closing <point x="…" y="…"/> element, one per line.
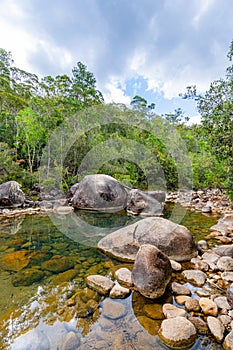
<point x="151" y="48"/>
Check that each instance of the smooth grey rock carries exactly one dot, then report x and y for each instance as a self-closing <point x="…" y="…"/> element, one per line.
<point x="225" y="263"/>
<point x="172" y="239"/>
<point x="151" y="272"/>
<point x="180" y="289"/>
<point x="171" y="311"/>
<point x="224" y="250"/>
<point x="145" y="203"/>
<point x="99" y="192"/>
<point x="119" y="292"/>
<point x="210" y="257"/>
<point x="199" y="324"/>
<point x="216" y="328"/>
<point x="195" y="276"/>
<point x="113" y="310"/>
<point x="224" y="224"/>
<point x="124" y="276"/>
<point x="99" y="283"/>
<point x="228" y="341"/>
<point x="227" y="276"/>
<point x="202" y="246"/>
<point x="222" y="302"/>
<point x="177" y="333"/>
<point x="11" y="194"/>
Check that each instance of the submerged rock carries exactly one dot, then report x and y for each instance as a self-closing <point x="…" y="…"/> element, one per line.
<point x="99" y="283"/>
<point x="151" y="272"/>
<point x="172" y="239"/>
<point x="15" y="261"/>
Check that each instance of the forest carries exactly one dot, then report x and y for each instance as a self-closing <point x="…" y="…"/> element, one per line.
<point x="42" y="117"/>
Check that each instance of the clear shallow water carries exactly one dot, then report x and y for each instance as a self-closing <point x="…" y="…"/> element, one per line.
<point x="54" y="255"/>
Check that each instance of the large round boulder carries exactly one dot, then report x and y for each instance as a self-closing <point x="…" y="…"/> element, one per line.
<point x="145" y="203"/>
<point x="99" y="192"/>
<point x="11" y="194"/>
<point x="172" y="239"/>
<point x="151" y="272"/>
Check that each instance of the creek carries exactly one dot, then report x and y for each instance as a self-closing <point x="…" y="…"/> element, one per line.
<point x="43" y="264"/>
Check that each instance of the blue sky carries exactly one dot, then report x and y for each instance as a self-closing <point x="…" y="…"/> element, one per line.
<point x="152" y="48"/>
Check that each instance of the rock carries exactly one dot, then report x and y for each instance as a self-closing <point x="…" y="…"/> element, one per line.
<point x="181" y="299"/>
<point x="119" y="292"/>
<point x="145" y="203"/>
<point x="151" y="272"/>
<point x="113" y="310"/>
<point x="225" y="263"/>
<point x="101" y="284"/>
<point x="71" y="342"/>
<point x="226" y="321"/>
<point x="229" y="295"/>
<point x="180" y="289"/>
<point x="208" y="306"/>
<point x="210" y="257"/>
<point x="192" y="305"/>
<point x="64" y="276"/>
<point x="172" y="239"/>
<point x="171" y="311"/>
<point x="224" y="224"/>
<point x="11" y="194"/>
<point x="216" y="328"/>
<point x="206" y="209"/>
<point x="15" y="261"/>
<point x="228" y="341"/>
<point x="27" y="276"/>
<point x="32" y="340"/>
<point x="227" y="276"/>
<point x="99" y="192"/>
<point x="199" y="324"/>
<point x="175" y="265"/>
<point x="154" y="311"/>
<point x="224" y="250"/>
<point x="195" y="276"/>
<point x="177" y="333"/>
<point x="222" y="303"/>
<point x="123" y="275"/>
<point x="202" y="246"/>
<point x="57" y="264"/>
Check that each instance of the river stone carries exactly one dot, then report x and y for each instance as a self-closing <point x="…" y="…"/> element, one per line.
<point x="178" y="288"/>
<point x="113" y="310"/>
<point x="57" y="264"/>
<point x="172" y="239"/>
<point x="225" y="263"/>
<point x="195" y="276"/>
<point x="145" y="203"/>
<point x="199" y="324"/>
<point x="216" y="328"/>
<point x="70" y="342"/>
<point x="202" y="246"/>
<point x="228" y="341"/>
<point x="27" y="277"/>
<point x="99" y="192"/>
<point x="15" y="261"/>
<point x="175" y="265"/>
<point x="209" y="307"/>
<point x="227" y="276"/>
<point x="224" y="224"/>
<point x="171" y="311"/>
<point x="229" y="295"/>
<point x="181" y="299"/>
<point x="124" y="276"/>
<point x="99" y="283"/>
<point x="177" y="332"/>
<point x="210" y="257"/>
<point x="154" y="311"/>
<point x="11" y="194"/>
<point x="222" y="302"/>
<point x="151" y="272"/>
<point x="32" y="340"/>
<point x="119" y="292"/>
<point x="192" y="305"/>
<point x="224" y="250"/>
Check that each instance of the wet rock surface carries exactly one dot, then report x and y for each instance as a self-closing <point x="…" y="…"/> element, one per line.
<point x="172" y="239"/>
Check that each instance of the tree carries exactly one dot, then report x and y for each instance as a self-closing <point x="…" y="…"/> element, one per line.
<point x="83" y="88"/>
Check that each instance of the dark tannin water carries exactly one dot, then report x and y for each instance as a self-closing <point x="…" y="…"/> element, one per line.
<point x="43" y="264"/>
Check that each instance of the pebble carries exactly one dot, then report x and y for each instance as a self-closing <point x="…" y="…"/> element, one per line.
<point x="123" y="275"/>
<point x="195" y="276"/>
<point x="101" y="284"/>
<point x="180" y="289"/>
<point x="228" y="341"/>
<point x="113" y="310"/>
<point x="192" y="305"/>
<point x="208" y="306"/>
<point x="200" y="325"/>
<point x="225" y="263"/>
<point x="119" y="292"/>
<point x="216" y="328"/>
<point x="171" y="311"/>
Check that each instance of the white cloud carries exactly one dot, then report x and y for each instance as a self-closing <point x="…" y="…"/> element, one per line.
<point x="113" y="92"/>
